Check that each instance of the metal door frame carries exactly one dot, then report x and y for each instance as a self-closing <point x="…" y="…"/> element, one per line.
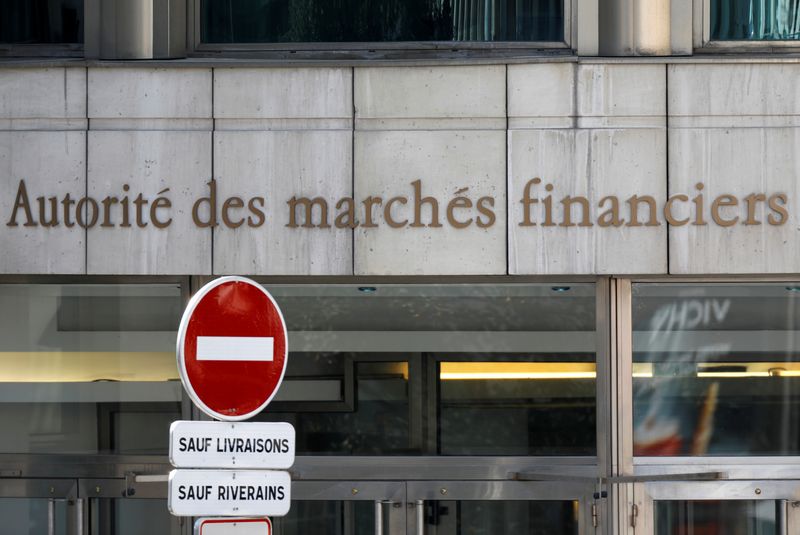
<point x="642" y="518"/>
<point x="421" y="491"/>
<point x="97" y="493"/>
<point x="633" y="486"/>
<point x="389" y="498"/>
<point x="52" y="490"/>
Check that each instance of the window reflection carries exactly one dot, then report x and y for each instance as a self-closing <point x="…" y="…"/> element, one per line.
<point x="716" y="369"/>
<point x="30" y="515"/>
<point x="496" y="517"/>
<point x="368" y="416"/>
<point x="88" y="368"/>
<point x="520" y="407"/>
<point x="138" y="517"/>
<point x="329" y="517"/>
<point x="457" y="369"/>
<point x="716" y="517"/>
<point x="754" y="20"/>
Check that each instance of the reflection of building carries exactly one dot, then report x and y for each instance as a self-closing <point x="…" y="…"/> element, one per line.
<point x="544" y="285"/>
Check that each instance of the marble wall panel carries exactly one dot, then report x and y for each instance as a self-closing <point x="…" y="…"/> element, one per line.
<point x="52" y="166"/>
<point x="430" y="98"/>
<point x="735" y="128"/>
<point x="609" y="140"/>
<point x="447" y="165"/>
<point x="149" y="99"/>
<point x="43" y="99"/>
<point x="619" y="95"/>
<point x="739" y="162"/>
<point x="734" y="94"/>
<point x="593" y="164"/>
<point x="175" y="165"/>
<point x="443" y="126"/>
<point x="542" y="95"/>
<point x="269" y="98"/>
<point x="277" y="166"/>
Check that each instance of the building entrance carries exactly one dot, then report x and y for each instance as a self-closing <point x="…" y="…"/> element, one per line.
<point x="415" y="405"/>
<point x="613" y="406"/>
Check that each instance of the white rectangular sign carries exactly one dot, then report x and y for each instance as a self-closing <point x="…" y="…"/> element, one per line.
<point x="233" y="526"/>
<point x="229" y="492"/>
<point x="250" y="348"/>
<point x="231" y="444"/>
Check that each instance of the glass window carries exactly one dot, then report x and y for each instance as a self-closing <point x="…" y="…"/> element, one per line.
<point x="537" y="405"/>
<point x="88" y="368"/>
<point x="716" y="369"/>
<point x="741" y="517"/>
<point x="329" y="517"/>
<point x="495" y="517"/>
<point x="360" y="412"/>
<point x="41" y="21"/>
<point x="464" y="369"/>
<point x="734" y="20"/>
<point x="134" y="517"/>
<point x="351" y="21"/>
<point x="33" y="515"/>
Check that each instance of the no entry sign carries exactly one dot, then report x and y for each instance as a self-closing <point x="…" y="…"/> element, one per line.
<point x="232" y="348"/>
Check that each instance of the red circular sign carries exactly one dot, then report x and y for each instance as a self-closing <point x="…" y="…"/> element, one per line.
<point x="232" y="348"/>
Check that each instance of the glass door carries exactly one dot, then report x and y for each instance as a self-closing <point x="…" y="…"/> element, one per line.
<point x="500" y="508"/>
<point x="129" y="506"/>
<point x="718" y="508"/>
<point x="42" y="506"/>
<point x="345" y="508"/>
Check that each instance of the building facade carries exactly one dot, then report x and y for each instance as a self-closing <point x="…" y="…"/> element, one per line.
<point x="540" y="262"/>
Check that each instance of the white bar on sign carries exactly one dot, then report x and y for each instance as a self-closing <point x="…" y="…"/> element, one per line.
<point x="243" y="348"/>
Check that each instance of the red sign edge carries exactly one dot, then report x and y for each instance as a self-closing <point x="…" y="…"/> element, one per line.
<point x="193" y="302"/>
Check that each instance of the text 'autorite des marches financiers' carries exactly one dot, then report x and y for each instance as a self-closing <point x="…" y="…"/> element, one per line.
<point x="537" y="205"/>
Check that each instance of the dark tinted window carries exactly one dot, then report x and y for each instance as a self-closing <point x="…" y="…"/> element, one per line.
<point x="457" y="369"/>
<point x="297" y="21"/>
<point x="41" y="21"/>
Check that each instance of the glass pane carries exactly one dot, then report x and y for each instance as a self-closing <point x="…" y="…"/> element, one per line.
<point x="88" y="368"/>
<point x="30" y="516"/>
<point x="716" y="369"/>
<point x="393" y="317"/>
<point x="298" y="21"/>
<point x="516" y="359"/>
<point x="716" y="518"/>
<point x="141" y="517"/>
<point x="41" y="21"/>
<point x="328" y="517"/>
<point x="501" y="518"/>
<point x="755" y="20"/>
<point x="517" y="408"/>
<point x="373" y="421"/>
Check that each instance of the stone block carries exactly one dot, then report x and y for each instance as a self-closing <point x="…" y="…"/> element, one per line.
<point x="52" y="166"/>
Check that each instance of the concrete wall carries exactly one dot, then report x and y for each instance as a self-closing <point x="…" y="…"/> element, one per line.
<point x="589" y="128"/>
